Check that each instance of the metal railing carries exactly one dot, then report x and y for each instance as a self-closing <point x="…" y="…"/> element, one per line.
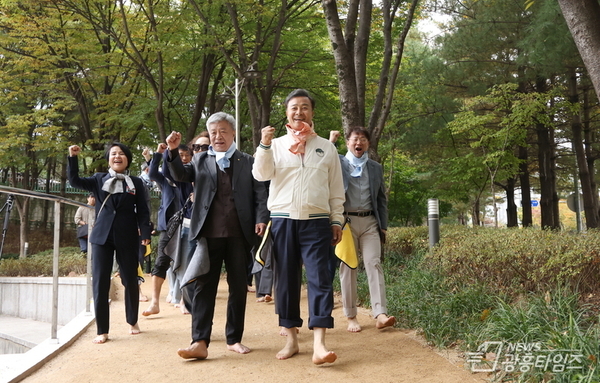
<point x="55" y="187"/>
<point x="58" y="201"/>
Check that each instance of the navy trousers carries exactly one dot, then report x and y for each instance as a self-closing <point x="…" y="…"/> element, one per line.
<point x="298" y="242"/>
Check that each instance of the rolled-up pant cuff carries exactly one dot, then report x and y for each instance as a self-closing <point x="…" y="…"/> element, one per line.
<point x="323" y="322"/>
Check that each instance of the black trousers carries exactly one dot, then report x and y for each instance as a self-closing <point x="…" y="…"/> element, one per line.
<point x="162" y="261"/>
<point x="234" y="252"/>
<point x="102" y="264"/>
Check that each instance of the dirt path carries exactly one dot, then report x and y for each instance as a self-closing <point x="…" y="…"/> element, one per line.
<point x="389" y="355"/>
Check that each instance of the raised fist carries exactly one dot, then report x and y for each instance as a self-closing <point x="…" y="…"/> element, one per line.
<point x="74" y="150"/>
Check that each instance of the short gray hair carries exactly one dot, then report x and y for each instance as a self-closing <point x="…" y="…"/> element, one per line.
<point x="218" y="117"/>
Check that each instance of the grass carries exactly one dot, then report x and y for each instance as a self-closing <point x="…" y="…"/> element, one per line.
<point x="459" y="298"/>
<point x="557" y="323"/>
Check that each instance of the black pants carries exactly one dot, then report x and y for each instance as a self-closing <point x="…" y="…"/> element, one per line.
<point x="102" y="264"/>
<point x="162" y="261"/>
<point x="235" y="253"/>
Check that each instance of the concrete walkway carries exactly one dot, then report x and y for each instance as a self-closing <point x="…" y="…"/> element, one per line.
<point x="31" y="333"/>
<point x="388" y="355"/>
<point x="27" y="332"/>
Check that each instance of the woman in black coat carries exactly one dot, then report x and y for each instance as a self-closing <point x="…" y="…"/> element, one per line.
<point x="122" y="223"/>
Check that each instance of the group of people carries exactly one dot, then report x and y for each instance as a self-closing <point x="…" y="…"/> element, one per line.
<point x="297" y="181"/>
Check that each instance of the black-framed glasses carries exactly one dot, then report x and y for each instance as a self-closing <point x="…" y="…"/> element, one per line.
<point x="199" y="148"/>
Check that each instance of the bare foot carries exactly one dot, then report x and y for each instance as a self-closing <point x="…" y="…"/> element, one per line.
<point x="100" y="339"/>
<point x="261" y="299"/>
<point x="322" y="358"/>
<point x="239" y="348"/>
<point x="143" y="298"/>
<point x="291" y="347"/>
<point x="268" y="298"/>
<point x="182" y="307"/>
<point x="251" y="289"/>
<point x="282" y="331"/>
<point x="353" y="325"/>
<point x="169" y="298"/>
<point x="151" y="310"/>
<point x="384" y="321"/>
<point x="197" y="350"/>
<point x="135" y="329"/>
<point x="287" y="352"/>
<point x="321" y="354"/>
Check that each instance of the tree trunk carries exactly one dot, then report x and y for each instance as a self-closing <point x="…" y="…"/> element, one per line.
<point x="589" y="206"/>
<point x="511" y="207"/>
<point x="583" y="20"/>
<point x="350" y="54"/>
<point x="527" y="220"/>
<point x="588" y="140"/>
<point x="344" y="63"/>
<point x="22" y="204"/>
<point x="381" y="111"/>
<point x="475" y="213"/>
<point x="547" y="178"/>
<point x="547" y="168"/>
<point x="208" y="68"/>
<point x="523" y="155"/>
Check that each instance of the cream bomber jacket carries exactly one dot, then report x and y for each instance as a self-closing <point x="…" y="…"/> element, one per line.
<point x="302" y="187"/>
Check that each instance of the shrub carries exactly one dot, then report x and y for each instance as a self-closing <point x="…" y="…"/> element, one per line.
<point x="449" y="291"/>
<point x="404" y="242"/>
<point x="514" y="260"/>
<point x="70" y="260"/>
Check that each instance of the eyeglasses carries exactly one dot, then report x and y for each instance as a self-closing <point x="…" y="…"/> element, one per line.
<point x="199" y="148"/>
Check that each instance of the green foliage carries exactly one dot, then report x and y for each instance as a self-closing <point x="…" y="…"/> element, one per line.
<point x="423" y="298"/>
<point x="555" y="321"/>
<point x="404" y="242"/>
<point x="464" y="295"/>
<point x="520" y="260"/>
<point x="408" y="192"/>
<point x="38" y="265"/>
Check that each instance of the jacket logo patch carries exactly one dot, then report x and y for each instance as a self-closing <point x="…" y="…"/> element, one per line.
<point x="320" y="152"/>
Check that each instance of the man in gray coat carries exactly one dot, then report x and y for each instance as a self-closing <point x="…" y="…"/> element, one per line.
<point x="229" y="212"/>
<point x="366" y="210"/>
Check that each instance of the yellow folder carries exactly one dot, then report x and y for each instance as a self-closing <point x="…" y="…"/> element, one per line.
<point x="345" y="250"/>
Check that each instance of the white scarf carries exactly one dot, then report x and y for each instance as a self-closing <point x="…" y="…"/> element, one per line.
<point x="358" y="163"/>
<point x="114" y="185"/>
<point x="223" y="157"/>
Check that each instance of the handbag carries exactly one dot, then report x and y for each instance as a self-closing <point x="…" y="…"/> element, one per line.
<point x="176" y="220"/>
<point x="82" y="231"/>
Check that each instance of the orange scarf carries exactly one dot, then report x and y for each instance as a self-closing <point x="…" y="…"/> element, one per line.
<point x="300" y="137"/>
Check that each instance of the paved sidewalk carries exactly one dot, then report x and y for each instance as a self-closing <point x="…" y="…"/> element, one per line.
<point x="35" y="334"/>
<point x="29" y="332"/>
<point x="389" y="355"/>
